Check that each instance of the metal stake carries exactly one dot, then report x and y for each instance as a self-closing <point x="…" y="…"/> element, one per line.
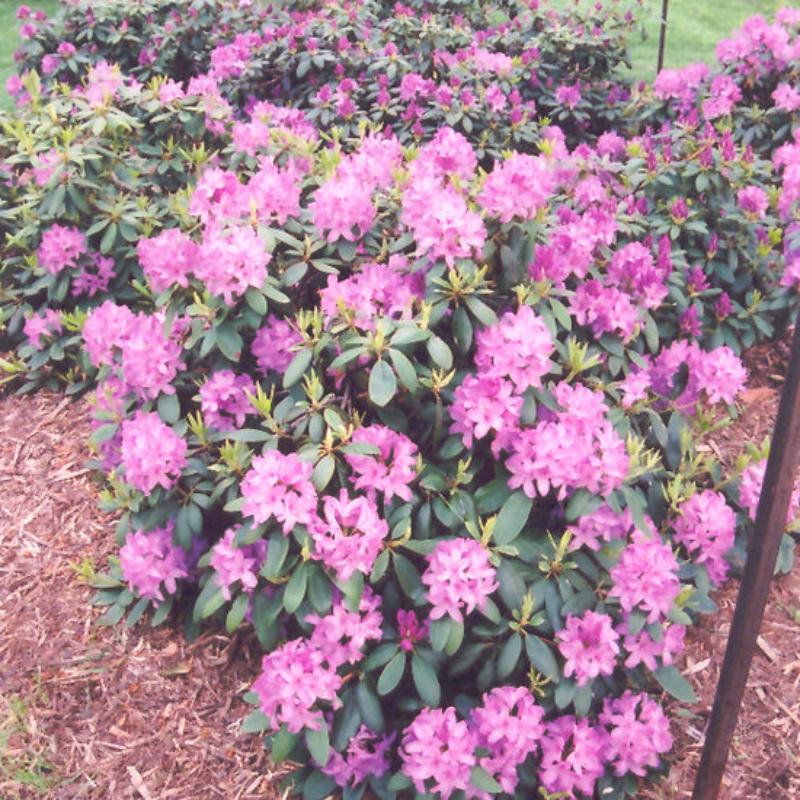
<point x="770" y="522"/>
<point x="662" y="35"/>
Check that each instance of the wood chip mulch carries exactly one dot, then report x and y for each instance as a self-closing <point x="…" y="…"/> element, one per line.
<point x="98" y="713"/>
<point x="88" y="711"/>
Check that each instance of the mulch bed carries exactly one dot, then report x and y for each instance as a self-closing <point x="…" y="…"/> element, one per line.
<point x="93" y="712"/>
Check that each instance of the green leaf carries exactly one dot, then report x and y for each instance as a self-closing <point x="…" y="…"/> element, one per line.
<point x="582" y="502"/>
<point x="407" y="576"/>
<point x="541" y="657"/>
<point x="405" y="369"/>
<point x="440" y="633"/>
<point x="255" y="722"/>
<point x="370" y="708"/>
<point x="440" y="353"/>
<point x="237" y="612"/>
<point x="283" y="743"/>
<point x="109" y="237"/>
<point x="229" y="342"/>
<point x="297" y="368"/>
<point x="512" y="518"/>
<point x="256" y="301"/>
<point x="382" y="383"/>
<point x="426" y="681"/>
<point x="512" y="587"/>
<point x="481" y="779"/>
<point x="509" y="656"/>
<point x="673" y="682"/>
<point x="169" y="408"/>
<point x="214" y="603"/>
<point x="323" y="472"/>
<point x="318" y="743"/>
<point x="455" y="638"/>
<point x="295" y="590"/>
<point x="112" y="616"/>
<point x="392" y="673"/>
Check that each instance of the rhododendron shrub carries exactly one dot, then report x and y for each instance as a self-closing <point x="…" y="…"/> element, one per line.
<point x="430" y="419"/>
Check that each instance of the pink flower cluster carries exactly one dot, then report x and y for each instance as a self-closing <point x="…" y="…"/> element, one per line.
<point x="278" y="485"/>
<point x="750" y="491"/>
<point x="273" y="345"/>
<point x="646" y="576"/>
<point x="299" y="675"/>
<point x="232" y="562"/>
<point x="590" y="646"/>
<point x="61" y="247"/>
<point x="439" y="751"/>
<point x="41" y="326"/>
<point x="349" y="535"/>
<point x="152" y="453"/>
<point x="459" y="577"/>
<point x="224" y="399"/>
<point x="573" y="754"/>
<point x="706" y="528"/>
<point x="518" y="187"/>
<point x="390" y="470"/>
<point x="149" y="561"/>
<point x="574" y="448"/>
<point x="367" y="755"/>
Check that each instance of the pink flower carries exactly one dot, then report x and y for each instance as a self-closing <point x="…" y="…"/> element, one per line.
<point x="279" y="485"/>
<point x="150" y="359"/>
<point x="605" y="308"/>
<point x="233" y="563"/>
<point x="642" y="648"/>
<point x="294" y="679"/>
<point x="390" y="470"/>
<point x="638" y="732"/>
<point x="569" y="96"/>
<point x="509" y="725"/>
<point x="349" y="535"/>
<point x="167" y="259"/>
<point x="61" y="247"/>
<point x="342" y="635"/>
<point x="438" y="752"/>
<point x="590" y="646"/>
<point x="41" y="326"/>
<point x="149" y="560"/>
<point x="152" y="453"/>
<point x="724" y="96"/>
<point x="459" y="576"/>
<point x="601" y="525"/>
<point x="104" y="330"/>
<point x="753" y="200"/>
<point x="273" y="345"/>
<point x="633" y="270"/>
<point x="224" y="401"/>
<point x="706" y="527"/>
<point x="646" y="576"/>
<point x="367" y="755"/>
<point x="786" y="97"/>
<point x="231" y="260"/>
<point x="410" y="630"/>
<point x="572" y="756"/>
<point x="342" y="208"/>
<point x="518" y="187"/>
<point x="481" y="405"/>
<point x="518" y="347"/>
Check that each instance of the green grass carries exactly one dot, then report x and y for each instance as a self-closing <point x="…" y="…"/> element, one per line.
<point x="693" y="30"/>
<point x="9" y="38"/>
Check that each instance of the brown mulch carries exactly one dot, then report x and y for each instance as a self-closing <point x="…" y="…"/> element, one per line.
<point x="88" y="711"/>
<point x="93" y="712"/>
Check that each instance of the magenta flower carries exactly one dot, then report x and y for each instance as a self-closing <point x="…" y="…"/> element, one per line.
<point x="590" y="646"/>
<point x="279" y="485"/>
<point x="572" y="756"/>
<point x="638" y="732"/>
<point x="349" y="536"/>
<point x="295" y="678"/>
<point x="61" y="247"/>
<point x="367" y="755"/>
<point x="391" y="470"/>
<point x="438" y="752"/>
<point x="410" y="630"/>
<point x="152" y="453"/>
<point x="41" y="326"/>
<point x="601" y="525"/>
<point x="509" y="725"/>
<point x="646" y="576"/>
<point x="105" y="329"/>
<point x="518" y="347"/>
<point x="482" y="405"/>
<point x="642" y="648"/>
<point x="233" y="563"/>
<point x="753" y="200"/>
<point x="518" y="187"/>
<point x="224" y="399"/>
<point x="459" y="576"/>
<point x="706" y="528"/>
<point x="167" y="259"/>
<point x="342" y="208"/>
<point x="274" y="343"/>
<point x="149" y="560"/>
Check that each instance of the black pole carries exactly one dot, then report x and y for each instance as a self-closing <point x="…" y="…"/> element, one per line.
<point x="770" y="522"/>
<point x="662" y="35"/>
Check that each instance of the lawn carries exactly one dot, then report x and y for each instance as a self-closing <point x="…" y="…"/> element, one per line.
<point x="693" y="30"/>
